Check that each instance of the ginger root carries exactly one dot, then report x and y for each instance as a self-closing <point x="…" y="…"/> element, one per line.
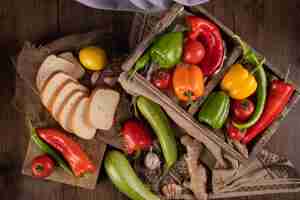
<point x="196" y="170"/>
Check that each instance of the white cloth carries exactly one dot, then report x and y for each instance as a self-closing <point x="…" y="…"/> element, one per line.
<point x="138" y="5"/>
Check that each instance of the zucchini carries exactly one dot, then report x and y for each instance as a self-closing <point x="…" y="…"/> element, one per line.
<point x="159" y="122"/>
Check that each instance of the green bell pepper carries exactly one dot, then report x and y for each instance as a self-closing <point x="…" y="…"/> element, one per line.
<point x="167" y="50"/>
<point x="215" y="110"/>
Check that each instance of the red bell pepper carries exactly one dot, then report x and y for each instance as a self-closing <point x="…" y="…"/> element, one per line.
<point x="209" y="35"/>
<point x="278" y="96"/>
<point x="233" y="132"/>
<point x="136" y="136"/>
<point x="71" y="151"/>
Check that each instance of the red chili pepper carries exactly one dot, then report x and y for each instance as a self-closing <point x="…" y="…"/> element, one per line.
<point x="71" y="151"/>
<point x="209" y="35"/>
<point x="42" y="166"/>
<point x="161" y="79"/>
<point x="233" y="132"/>
<point x="136" y="136"/>
<point x="278" y="96"/>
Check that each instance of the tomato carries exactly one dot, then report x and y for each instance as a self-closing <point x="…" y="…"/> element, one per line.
<point x="233" y="132"/>
<point x="242" y="109"/>
<point x="42" y="166"/>
<point x="193" y="52"/>
<point x="161" y="79"/>
<point x="93" y="58"/>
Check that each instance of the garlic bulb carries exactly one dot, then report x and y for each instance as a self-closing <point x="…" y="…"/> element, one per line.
<point x="152" y="161"/>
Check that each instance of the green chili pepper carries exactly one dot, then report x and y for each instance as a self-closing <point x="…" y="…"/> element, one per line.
<point x="161" y="126"/>
<point x="47" y="149"/>
<point x="167" y="50"/>
<point x="215" y="110"/>
<point x="250" y="57"/>
<point x="261" y="95"/>
<point x="140" y="63"/>
<point x="124" y="178"/>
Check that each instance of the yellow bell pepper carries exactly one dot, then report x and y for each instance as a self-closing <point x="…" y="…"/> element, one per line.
<point x="238" y="82"/>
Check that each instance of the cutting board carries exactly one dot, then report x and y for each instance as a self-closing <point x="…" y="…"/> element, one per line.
<point x="27" y="101"/>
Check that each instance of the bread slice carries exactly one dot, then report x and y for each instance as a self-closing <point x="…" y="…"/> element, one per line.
<point x="78" y="123"/>
<point x="53" y="64"/>
<point x="52" y="86"/>
<point x="71" y="58"/>
<point x="102" y="107"/>
<point x="64" y="93"/>
<point x="66" y="112"/>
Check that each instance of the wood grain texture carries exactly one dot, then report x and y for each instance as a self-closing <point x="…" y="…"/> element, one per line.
<point x="271" y="26"/>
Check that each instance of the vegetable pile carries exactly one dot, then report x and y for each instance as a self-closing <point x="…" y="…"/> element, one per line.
<point x="244" y="103"/>
<point x="179" y="63"/>
<point x="185" y="60"/>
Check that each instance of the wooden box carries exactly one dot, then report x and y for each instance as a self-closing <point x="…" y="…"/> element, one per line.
<point x="152" y="28"/>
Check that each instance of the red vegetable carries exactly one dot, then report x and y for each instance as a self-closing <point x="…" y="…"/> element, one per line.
<point x="42" y="166"/>
<point x="209" y="35"/>
<point x="233" y="132"/>
<point x="71" y="151"/>
<point x="242" y="109"/>
<point x="193" y="52"/>
<point x="278" y="96"/>
<point x="161" y="79"/>
<point x="136" y="136"/>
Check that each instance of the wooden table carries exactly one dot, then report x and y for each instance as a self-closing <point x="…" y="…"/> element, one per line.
<point x="271" y="26"/>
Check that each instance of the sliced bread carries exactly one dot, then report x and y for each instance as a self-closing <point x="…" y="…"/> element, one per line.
<point x="52" y="86"/>
<point x="102" y="107"/>
<point x="65" y="92"/>
<point x="71" y="58"/>
<point x="78" y="123"/>
<point x="67" y="109"/>
<point x="53" y="64"/>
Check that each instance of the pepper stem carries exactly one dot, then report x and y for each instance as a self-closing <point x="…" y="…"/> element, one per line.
<point x="249" y="55"/>
<point x="287" y="74"/>
<point x="137" y="154"/>
<point x="260" y="64"/>
<point x="135" y="109"/>
<point x="189" y="95"/>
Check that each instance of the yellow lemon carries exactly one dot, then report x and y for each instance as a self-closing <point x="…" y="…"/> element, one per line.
<point x="93" y="58"/>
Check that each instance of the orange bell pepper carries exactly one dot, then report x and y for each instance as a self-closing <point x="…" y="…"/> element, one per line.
<point x="188" y="82"/>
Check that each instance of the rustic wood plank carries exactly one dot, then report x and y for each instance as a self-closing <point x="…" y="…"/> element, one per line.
<point x="15" y="19"/>
<point x="32" y="20"/>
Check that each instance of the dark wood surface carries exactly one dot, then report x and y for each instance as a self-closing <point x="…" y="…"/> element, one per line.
<point x="272" y="27"/>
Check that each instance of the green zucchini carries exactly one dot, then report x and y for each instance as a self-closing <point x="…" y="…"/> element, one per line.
<point x="161" y="126"/>
<point x="124" y="178"/>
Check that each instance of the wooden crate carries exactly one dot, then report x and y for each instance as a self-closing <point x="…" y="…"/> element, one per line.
<point x="234" y="51"/>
